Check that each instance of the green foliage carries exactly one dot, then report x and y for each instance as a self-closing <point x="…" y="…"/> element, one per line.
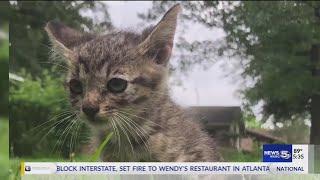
<point x="270" y="40"/>
<point x="251" y="121"/>
<point x="274" y="40"/>
<point x="29" y="42"/>
<point x="232" y="155"/>
<point x="14" y="169"/>
<point x="43" y="92"/>
<point x="4" y="59"/>
<point x="32" y="103"/>
<point x="4" y="45"/>
<point x="4" y="123"/>
<point x="317" y="159"/>
<point x="289" y="132"/>
<point x="4" y="152"/>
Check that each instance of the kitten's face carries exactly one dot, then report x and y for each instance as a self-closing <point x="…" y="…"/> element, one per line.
<point x="118" y="74"/>
<point x="108" y="79"/>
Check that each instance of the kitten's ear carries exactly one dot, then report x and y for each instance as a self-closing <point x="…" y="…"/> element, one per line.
<point x="65" y="38"/>
<point x="158" y="44"/>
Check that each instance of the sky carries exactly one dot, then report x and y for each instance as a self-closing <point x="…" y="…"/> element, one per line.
<point x="200" y="87"/>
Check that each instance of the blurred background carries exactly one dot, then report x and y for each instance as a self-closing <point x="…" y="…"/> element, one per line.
<point x="248" y="70"/>
<point x="4" y="121"/>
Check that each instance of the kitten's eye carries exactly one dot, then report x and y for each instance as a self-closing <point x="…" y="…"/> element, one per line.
<point x="75" y="86"/>
<point x="117" y="85"/>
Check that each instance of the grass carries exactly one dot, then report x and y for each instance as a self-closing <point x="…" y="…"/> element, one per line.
<point x="4" y="152"/>
<point x="97" y="154"/>
<point x="14" y="171"/>
<point x="317" y="159"/>
<point x="232" y="155"/>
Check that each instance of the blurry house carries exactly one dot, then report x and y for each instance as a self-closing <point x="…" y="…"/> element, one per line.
<point x="227" y="126"/>
<point x="223" y="123"/>
<point x="262" y="136"/>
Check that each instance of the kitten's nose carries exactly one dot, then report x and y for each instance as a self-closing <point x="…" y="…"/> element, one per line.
<point x="90" y="110"/>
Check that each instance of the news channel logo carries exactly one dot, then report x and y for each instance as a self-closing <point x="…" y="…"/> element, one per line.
<point x="27" y="168"/>
<point x="277" y="153"/>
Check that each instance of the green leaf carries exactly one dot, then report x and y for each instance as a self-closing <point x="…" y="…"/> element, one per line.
<point x="97" y="154"/>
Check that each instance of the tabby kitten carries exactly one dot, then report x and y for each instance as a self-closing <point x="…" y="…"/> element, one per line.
<point x="118" y="82"/>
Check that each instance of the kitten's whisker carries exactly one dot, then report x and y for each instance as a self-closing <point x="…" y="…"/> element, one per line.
<point x="61" y="100"/>
<point x="56" y="146"/>
<point x="135" y="124"/>
<point x="74" y="122"/>
<point x="147" y="120"/>
<point x="58" y="141"/>
<point x="134" y="135"/>
<point x="140" y="118"/>
<point x="65" y="132"/>
<point x="137" y="128"/>
<point x="73" y="136"/>
<point x="125" y="133"/>
<point x="60" y="65"/>
<point x="46" y="46"/>
<point x="77" y="135"/>
<point x="71" y="141"/>
<point x="118" y="132"/>
<point x="112" y="125"/>
<point x="140" y="131"/>
<point x="56" y="124"/>
<point x="50" y="120"/>
<point x="128" y="127"/>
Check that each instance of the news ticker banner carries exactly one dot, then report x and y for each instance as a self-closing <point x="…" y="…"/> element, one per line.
<point x="277" y="159"/>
